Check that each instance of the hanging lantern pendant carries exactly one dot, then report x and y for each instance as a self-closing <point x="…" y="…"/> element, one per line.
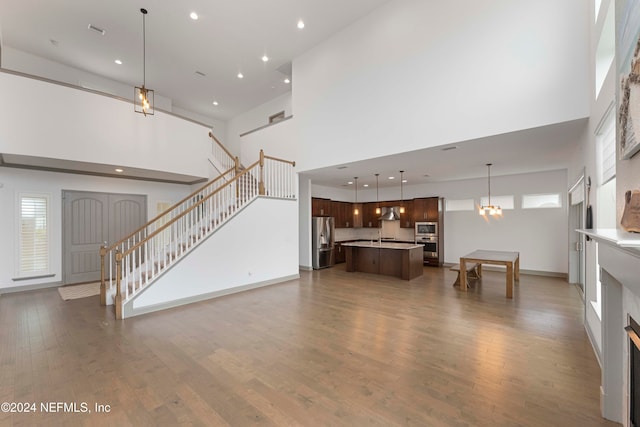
<point x="143" y="97"/>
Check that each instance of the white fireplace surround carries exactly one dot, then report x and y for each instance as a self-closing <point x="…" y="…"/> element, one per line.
<point x="619" y="259"/>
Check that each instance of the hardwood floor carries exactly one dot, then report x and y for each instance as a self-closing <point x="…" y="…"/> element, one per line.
<point x="332" y="348"/>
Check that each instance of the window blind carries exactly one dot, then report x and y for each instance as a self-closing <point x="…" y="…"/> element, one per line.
<point x="606" y="137"/>
<point x="34" y="235"/>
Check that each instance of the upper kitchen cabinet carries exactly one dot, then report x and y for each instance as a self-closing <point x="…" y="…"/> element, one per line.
<point x="426" y="209"/>
<point x="320" y="207"/>
<point x="407" y="218"/>
<point x="369" y="215"/>
<point x="343" y="213"/>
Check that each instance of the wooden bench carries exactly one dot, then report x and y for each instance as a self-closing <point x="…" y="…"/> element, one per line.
<point x="472" y="272"/>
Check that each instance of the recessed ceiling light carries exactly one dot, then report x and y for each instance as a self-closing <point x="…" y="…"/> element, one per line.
<point x="366" y="185"/>
<point x="240" y="76"/>
<point x="193" y="16"/>
<point x="265" y="58"/>
<point x="119" y="170"/>
<point x="117" y="61"/>
<point x="287" y="81"/>
<point x="215" y="103"/>
<point x="404" y="181"/>
<point x="392" y="177"/>
<point x="300" y="24"/>
<point x="350" y="182"/>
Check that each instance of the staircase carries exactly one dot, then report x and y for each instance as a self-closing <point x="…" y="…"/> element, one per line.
<point x="134" y="263"/>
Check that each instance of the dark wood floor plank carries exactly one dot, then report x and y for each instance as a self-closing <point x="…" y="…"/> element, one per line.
<point x="331" y="348"/>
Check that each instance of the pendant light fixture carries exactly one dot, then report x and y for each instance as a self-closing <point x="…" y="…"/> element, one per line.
<point x="491" y="209"/>
<point x="401" y="194"/>
<point x="378" y="210"/>
<point x="355" y="207"/>
<point x="143" y="97"/>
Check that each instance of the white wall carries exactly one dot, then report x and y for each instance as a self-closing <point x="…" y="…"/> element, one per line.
<point x="14" y="181"/>
<point x="255" y="118"/>
<point x="87" y="127"/>
<point x="252" y="248"/>
<point x="17" y="60"/>
<point x="277" y="140"/>
<point x="422" y="74"/>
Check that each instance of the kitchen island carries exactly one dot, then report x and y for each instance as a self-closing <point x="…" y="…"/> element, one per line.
<point x="403" y="260"/>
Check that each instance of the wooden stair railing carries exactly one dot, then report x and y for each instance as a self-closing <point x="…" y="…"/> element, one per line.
<point x="143" y="231"/>
<point x="145" y="260"/>
<point x="220" y="152"/>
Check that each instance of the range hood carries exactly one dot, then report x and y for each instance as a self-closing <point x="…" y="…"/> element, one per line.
<point x="390" y="214"/>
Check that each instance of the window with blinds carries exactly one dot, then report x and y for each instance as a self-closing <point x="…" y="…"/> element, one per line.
<point x="34" y="235"/>
<point x="606" y="142"/>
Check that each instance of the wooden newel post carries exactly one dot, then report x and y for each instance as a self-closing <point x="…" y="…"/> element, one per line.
<point x="236" y="162"/>
<point x="261" y="183"/>
<point x="103" y="286"/>
<point x="118" y="299"/>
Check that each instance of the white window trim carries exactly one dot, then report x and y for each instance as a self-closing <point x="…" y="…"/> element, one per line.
<point x="23" y="275"/>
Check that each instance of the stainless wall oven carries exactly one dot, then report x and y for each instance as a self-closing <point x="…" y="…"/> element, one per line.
<point x="426" y="234"/>
<point x="426" y="229"/>
<point x="430" y="243"/>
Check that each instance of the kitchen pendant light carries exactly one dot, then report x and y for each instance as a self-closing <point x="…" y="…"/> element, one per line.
<point x="143" y="97"/>
<point x="401" y="194"/>
<point x="492" y="210"/>
<point x="355" y="207"/>
<point x="378" y="210"/>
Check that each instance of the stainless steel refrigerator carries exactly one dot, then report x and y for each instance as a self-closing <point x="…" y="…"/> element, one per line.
<point x="322" y="241"/>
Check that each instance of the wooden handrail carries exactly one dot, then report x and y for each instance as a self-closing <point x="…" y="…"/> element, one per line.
<point x="110" y="248"/>
<point x="280" y="160"/>
<point x="231" y="156"/>
<point x="184" y="213"/>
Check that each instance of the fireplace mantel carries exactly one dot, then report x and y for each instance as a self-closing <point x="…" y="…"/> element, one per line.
<point x="614" y="237"/>
<point x="619" y="260"/>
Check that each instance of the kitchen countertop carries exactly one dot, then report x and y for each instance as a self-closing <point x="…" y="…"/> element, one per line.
<point x="382" y="245"/>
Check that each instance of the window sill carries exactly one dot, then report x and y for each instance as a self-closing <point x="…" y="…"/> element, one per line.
<point x="42" y="276"/>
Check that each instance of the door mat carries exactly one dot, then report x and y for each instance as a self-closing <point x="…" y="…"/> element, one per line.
<point x="79" y="291"/>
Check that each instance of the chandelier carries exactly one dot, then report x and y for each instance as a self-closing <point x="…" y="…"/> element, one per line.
<point x="493" y="210"/>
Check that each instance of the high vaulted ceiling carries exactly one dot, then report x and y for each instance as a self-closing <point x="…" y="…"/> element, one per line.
<point x="228" y="37"/>
<point x="196" y="62"/>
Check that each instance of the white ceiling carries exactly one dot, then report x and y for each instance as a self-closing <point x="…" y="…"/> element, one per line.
<point x="229" y="37"/>
<point x="534" y="150"/>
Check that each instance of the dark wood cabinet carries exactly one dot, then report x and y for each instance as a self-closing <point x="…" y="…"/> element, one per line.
<point x="339" y="254"/>
<point x="320" y="207"/>
<point x="426" y="209"/>
<point x="369" y="215"/>
<point x="407" y="218"/>
<point x="433" y="209"/>
<point x="343" y="214"/>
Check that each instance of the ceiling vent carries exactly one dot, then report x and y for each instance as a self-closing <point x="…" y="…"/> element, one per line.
<point x="96" y="29"/>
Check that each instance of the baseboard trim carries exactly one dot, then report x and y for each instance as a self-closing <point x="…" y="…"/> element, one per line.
<point x="593" y="343"/>
<point x="522" y="271"/>
<point x="27" y="288"/>
<point x="129" y="311"/>
<point x="305" y="268"/>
